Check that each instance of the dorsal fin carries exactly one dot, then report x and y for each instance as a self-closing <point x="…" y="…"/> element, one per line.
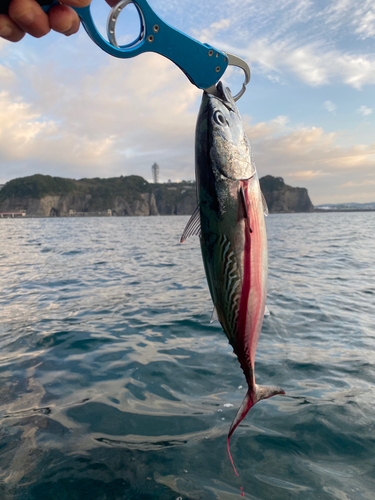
<point x="193" y="227"/>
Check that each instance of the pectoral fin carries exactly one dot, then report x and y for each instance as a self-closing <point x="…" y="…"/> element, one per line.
<point x="244" y="208"/>
<point x="193" y="227"/>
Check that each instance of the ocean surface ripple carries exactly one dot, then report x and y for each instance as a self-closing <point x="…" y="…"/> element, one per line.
<point x="114" y="385"/>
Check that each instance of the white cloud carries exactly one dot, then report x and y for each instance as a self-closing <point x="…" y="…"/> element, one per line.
<point x="311" y="63"/>
<point x="104" y="117"/>
<point x="305" y="41"/>
<point x="312" y="157"/>
<point x="7" y="76"/>
<point x="207" y="34"/>
<point x="366" y="182"/>
<point x="115" y="121"/>
<point x="330" y="106"/>
<point x="97" y="126"/>
<point x="364" y="111"/>
<point x="306" y="174"/>
<point x="364" y="19"/>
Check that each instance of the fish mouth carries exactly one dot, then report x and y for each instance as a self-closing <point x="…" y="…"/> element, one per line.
<point x="233" y="178"/>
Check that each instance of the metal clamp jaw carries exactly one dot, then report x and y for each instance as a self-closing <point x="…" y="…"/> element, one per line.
<point x="239" y="63"/>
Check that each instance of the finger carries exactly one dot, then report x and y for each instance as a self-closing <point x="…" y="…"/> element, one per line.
<point x="112" y="3"/>
<point x="64" y="20"/>
<point x="30" y="17"/>
<point x="77" y="3"/>
<point x="10" y="30"/>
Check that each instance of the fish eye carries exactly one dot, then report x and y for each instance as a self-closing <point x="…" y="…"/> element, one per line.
<point x="220" y="118"/>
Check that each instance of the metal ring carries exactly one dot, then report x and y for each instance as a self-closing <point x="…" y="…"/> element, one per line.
<point x="112" y="20"/>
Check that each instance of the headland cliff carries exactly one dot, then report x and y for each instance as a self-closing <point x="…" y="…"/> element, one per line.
<point x="46" y="196"/>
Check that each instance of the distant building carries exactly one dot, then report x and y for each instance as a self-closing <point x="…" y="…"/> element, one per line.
<point x="1" y="186"/>
<point x="155" y="173"/>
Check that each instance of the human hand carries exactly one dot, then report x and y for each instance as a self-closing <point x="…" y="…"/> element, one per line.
<point x="27" y="16"/>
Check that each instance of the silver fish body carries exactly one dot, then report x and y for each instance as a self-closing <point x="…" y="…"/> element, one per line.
<point x="230" y="222"/>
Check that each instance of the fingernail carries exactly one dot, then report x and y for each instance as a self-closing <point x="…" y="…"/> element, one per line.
<point x="27" y="17"/>
<point x="67" y="32"/>
<point x="6" y="31"/>
<point x="72" y="30"/>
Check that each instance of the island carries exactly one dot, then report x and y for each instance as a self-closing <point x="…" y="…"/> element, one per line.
<point x="282" y="198"/>
<point x="46" y="196"/>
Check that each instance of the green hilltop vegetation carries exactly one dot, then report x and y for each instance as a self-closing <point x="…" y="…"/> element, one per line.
<point x="38" y="186"/>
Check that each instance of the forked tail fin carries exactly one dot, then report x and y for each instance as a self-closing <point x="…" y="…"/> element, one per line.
<point x="261" y="392"/>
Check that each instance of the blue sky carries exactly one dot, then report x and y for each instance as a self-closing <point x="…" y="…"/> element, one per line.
<point x="68" y="109"/>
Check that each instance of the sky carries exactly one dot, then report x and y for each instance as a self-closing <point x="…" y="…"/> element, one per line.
<point x="68" y="109"/>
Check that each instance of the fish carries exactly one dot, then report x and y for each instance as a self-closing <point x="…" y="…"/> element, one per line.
<point x="229" y="219"/>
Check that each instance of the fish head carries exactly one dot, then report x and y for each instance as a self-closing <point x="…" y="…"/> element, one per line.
<point x="230" y="151"/>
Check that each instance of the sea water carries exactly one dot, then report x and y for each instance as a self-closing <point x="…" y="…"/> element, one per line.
<point x="114" y="385"/>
